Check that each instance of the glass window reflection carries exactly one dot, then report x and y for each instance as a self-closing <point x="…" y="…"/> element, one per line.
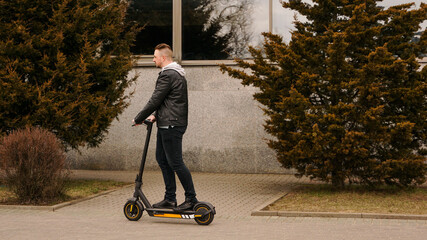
<point x="283" y="19"/>
<point x="156" y="18"/>
<point x="222" y="29"/>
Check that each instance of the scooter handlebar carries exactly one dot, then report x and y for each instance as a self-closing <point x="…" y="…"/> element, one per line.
<point x="146" y="122"/>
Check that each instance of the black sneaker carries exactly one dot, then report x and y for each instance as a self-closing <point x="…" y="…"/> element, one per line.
<point x="187" y="205"/>
<point x="165" y="204"/>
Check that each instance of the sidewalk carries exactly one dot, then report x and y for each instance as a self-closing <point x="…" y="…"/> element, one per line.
<point x="235" y="196"/>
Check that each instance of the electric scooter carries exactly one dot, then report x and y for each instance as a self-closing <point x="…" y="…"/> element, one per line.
<point x="202" y="212"/>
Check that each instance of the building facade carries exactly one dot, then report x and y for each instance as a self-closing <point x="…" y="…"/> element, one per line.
<point x="225" y="132"/>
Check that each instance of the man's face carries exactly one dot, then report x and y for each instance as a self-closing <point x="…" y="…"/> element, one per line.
<point x="158" y="59"/>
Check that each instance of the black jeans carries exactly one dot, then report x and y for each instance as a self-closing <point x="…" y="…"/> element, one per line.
<point x="169" y="158"/>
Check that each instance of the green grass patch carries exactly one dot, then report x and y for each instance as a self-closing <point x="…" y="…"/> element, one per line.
<point x="74" y="189"/>
<point x="353" y="199"/>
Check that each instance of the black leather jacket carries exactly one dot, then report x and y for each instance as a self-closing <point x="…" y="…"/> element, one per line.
<point x="169" y="100"/>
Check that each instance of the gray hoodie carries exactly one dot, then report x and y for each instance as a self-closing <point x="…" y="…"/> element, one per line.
<point x="175" y="66"/>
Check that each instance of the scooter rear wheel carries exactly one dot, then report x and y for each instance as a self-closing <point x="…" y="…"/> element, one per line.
<point x="133" y="210"/>
<point x="206" y="219"/>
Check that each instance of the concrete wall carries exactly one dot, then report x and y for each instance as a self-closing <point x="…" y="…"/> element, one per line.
<point x="225" y="132"/>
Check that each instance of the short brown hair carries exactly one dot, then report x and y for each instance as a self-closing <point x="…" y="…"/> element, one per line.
<point x="162" y="46"/>
<point x="165" y="50"/>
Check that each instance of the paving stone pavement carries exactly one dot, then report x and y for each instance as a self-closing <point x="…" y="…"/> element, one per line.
<point x="234" y="196"/>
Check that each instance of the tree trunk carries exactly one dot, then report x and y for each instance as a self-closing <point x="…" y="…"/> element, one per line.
<point x="337" y="180"/>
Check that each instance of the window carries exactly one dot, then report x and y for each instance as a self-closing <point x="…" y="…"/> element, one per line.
<point x="203" y="29"/>
<point x="283" y="20"/>
<point x="156" y="18"/>
<point x="218" y="29"/>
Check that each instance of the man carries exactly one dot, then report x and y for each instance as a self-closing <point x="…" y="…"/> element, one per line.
<point x="170" y="104"/>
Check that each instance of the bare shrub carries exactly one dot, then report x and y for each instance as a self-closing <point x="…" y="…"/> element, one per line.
<point x="33" y="163"/>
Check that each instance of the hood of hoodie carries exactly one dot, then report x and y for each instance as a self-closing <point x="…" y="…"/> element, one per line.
<point x="175" y="66"/>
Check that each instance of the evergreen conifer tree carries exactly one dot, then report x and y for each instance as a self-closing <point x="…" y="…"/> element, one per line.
<point x="346" y="98"/>
<point x="64" y="66"/>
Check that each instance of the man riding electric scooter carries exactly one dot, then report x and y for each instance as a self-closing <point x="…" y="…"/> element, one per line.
<point x="170" y="104"/>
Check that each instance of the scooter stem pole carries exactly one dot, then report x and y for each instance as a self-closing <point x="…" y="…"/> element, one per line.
<point x="144" y="154"/>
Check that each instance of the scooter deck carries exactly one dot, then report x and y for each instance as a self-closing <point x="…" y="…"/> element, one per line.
<point x="170" y="213"/>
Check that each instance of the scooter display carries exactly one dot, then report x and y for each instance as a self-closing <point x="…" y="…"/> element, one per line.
<point x="202" y="212"/>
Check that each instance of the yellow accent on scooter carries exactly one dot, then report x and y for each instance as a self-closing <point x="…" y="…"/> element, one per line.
<point x="168" y="215"/>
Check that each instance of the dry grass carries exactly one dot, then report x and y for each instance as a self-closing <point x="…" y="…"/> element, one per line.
<point x="353" y="199"/>
<point x="75" y="189"/>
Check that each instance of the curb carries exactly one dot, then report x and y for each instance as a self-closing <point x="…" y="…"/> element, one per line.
<point x="259" y="212"/>
<point x="61" y="205"/>
<point x="338" y="215"/>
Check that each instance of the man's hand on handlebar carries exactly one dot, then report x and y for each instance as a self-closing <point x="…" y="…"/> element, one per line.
<point x="151" y="119"/>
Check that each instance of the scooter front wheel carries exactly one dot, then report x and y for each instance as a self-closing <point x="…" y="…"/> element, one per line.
<point x="206" y="214"/>
<point x="133" y="210"/>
